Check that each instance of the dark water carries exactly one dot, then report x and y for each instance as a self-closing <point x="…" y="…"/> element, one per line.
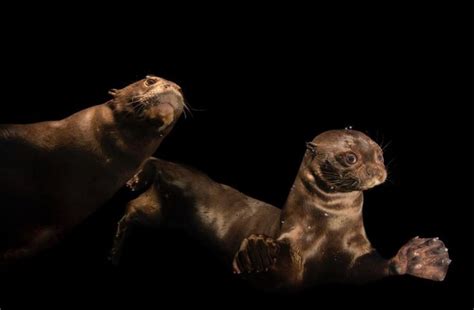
<point x="262" y="91"/>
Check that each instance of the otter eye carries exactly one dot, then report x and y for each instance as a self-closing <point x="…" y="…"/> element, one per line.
<point x="150" y="81"/>
<point x="351" y="158"/>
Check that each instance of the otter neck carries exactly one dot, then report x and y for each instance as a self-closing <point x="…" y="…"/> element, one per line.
<point x="308" y="205"/>
<point x="134" y="143"/>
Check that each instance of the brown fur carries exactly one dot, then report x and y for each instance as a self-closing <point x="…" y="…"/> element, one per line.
<point x="319" y="237"/>
<point x="322" y="223"/>
<point x="54" y="174"/>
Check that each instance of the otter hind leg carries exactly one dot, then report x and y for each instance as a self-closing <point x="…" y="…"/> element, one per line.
<point x="116" y="253"/>
<point x="142" y="210"/>
<point x="44" y="238"/>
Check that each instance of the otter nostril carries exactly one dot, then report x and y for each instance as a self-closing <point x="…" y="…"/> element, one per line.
<point x="371" y="172"/>
<point x="375" y="172"/>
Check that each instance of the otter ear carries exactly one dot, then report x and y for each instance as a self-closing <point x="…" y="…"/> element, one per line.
<point x="113" y="92"/>
<point x="311" y="146"/>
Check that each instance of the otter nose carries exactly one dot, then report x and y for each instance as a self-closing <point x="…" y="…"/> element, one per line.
<point x="175" y="86"/>
<point x="372" y="171"/>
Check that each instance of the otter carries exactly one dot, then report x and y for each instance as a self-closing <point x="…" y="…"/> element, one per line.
<point x="322" y="236"/>
<point x="54" y="174"/>
<point x="318" y="236"/>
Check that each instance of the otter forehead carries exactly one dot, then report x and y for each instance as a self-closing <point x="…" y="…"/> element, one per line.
<point x="150" y="83"/>
<point x="345" y="140"/>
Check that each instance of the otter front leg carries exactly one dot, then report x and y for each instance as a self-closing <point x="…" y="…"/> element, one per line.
<point x="426" y="258"/>
<point x="269" y="263"/>
<point x="142" y="180"/>
<point x="421" y="257"/>
<point x="257" y="253"/>
<point x="144" y="215"/>
<point x="123" y="227"/>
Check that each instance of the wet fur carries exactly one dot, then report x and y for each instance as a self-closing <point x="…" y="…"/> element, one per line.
<point x="54" y="174"/>
<point x="319" y="235"/>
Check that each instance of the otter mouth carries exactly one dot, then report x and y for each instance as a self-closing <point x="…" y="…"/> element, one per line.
<point x="157" y="100"/>
<point x="349" y="184"/>
<point x="160" y="109"/>
<point x="345" y="181"/>
<point x="162" y="113"/>
<point x="334" y="180"/>
<point x="159" y="106"/>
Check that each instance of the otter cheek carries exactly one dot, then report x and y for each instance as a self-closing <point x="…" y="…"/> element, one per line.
<point x="163" y="112"/>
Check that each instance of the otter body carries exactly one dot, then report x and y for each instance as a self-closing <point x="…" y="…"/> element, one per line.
<point x="319" y="236"/>
<point x="54" y="174"/>
<point x="322" y="237"/>
<point x="183" y="198"/>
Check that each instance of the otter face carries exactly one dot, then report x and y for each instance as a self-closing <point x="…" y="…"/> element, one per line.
<point x="346" y="160"/>
<point x="152" y="101"/>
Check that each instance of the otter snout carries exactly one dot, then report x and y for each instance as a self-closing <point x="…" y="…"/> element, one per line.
<point x="376" y="174"/>
<point x="162" y="101"/>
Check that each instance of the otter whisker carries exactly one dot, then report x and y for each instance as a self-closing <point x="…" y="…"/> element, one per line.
<point x="136" y="105"/>
<point x="330" y="177"/>
<point x="187" y="108"/>
<point x="390" y="162"/>
<point x="330" y="173"/>
<point x="199" y="110"/>
<point x="141" y="109"/>
<point x="383" y="147"/>
<point x="383" y="139"/>
<point x="133" y="101"/>
<point x="389" y="177"/>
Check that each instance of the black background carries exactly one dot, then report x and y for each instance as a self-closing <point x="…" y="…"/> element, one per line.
<point x="262" y="83"/>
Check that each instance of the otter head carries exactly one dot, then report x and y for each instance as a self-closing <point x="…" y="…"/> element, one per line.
<point x="152" y="104"/>
<point x="345" y="161"/>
